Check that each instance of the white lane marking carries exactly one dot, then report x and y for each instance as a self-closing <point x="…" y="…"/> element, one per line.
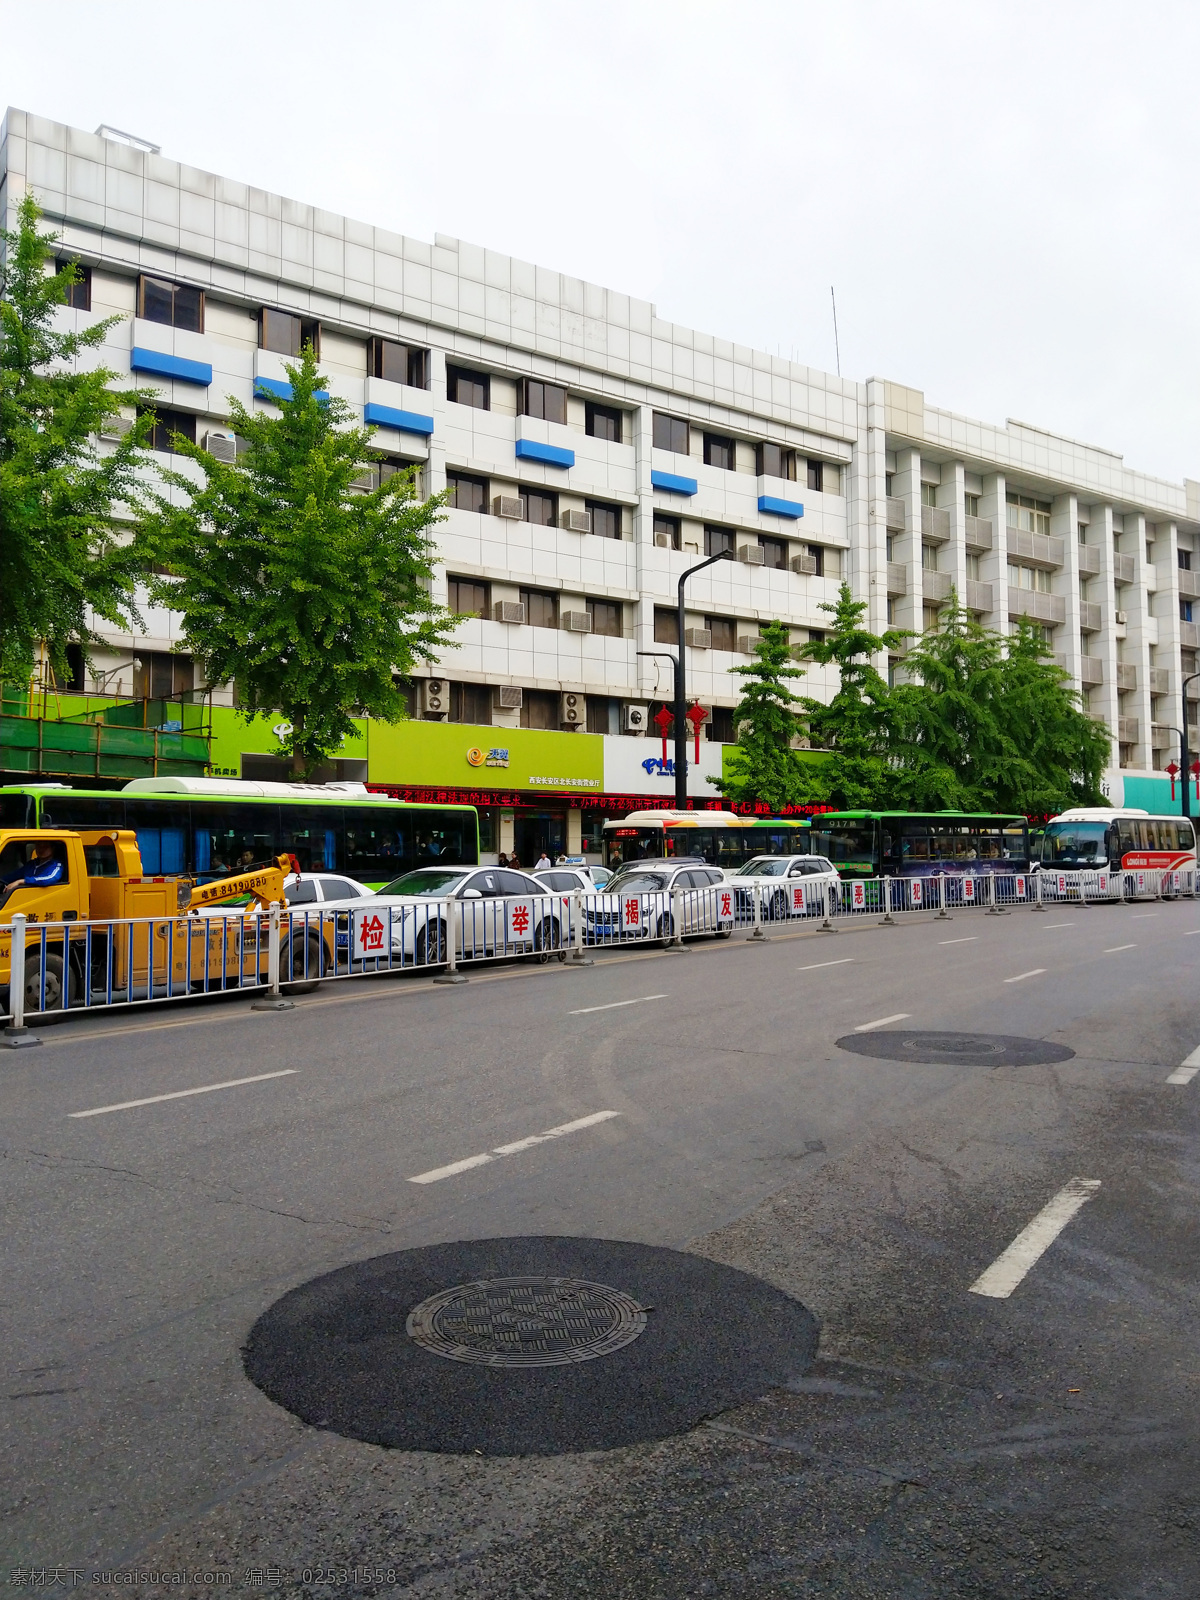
<point x="1188" y="1068"/>
<point x="1046" y="926"/>
<point x="1113" y="948"/>
<point x="882" y="1022"/>
<point x="613" y="1005"/>
<point x="1190" y="932"/>
<point x="437" y="1173"/>
<point x="841" y="962"/>
<point x="1140" y="916"/>
<point x="1034" y="972"/>
<point x="970" y="939"/>
<point x="1011" y="1265"/>
<point x="182" y="1094"/>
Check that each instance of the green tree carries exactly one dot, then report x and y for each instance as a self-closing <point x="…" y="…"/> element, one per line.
<point x="308" y="593"/>
<point x="854" y="727"/>
<point x="763" y="765"/>
<point x="1063" y="750"/>
<point x="66" y="539"/>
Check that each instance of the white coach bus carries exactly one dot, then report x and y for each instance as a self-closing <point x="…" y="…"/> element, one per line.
<point x="1098" y="840"/>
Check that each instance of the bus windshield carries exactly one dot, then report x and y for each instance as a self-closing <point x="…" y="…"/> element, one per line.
<point x="1075" y="844"/>
<point x="847" y="844"/>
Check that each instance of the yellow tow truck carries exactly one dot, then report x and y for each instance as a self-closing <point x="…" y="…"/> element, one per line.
<point x="71" y="886"/>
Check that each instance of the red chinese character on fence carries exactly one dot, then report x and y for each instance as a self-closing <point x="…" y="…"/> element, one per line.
<point x="520" y="921"/>
<point x="371" y="933"/>
<point x="633" y="911"/>
<point x="726" y="904"/>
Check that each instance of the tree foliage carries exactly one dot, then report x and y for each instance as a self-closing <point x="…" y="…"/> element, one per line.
<point x="63" y="550"/>
<point x="309" y="593"/>
<point x="764" y="766"/>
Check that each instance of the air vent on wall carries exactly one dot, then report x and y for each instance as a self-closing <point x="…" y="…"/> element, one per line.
<point x="507" y="697"/>
<point x="577" y="521"/>
<point x="221" y="446"/>
<point x="114" y="428"/>
<point x="752" y="554"/>
<point x="636" y="719"/>
<point x="507" y="505"/>
<point x="508" y="611"/>
<point x="663" y="541"/>
<point x="571" y="710"/>
<point x="748" y="643"/>
<point x="434" y="698"/>
<point x="577" y="622"/>
<point x="804" y="564"/>
<point x="698" y="638"/>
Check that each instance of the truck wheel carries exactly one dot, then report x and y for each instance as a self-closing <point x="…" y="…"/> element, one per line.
<point x="298" y="957"/>
<point x="53" y="984"/>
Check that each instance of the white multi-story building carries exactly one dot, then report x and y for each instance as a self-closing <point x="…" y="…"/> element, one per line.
<point x="595" y="451"/>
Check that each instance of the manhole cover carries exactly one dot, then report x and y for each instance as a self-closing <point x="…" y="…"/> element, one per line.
<point x="361" y="1350"/>
<point x="526" y="1322"/>
<point x="954" y="1049"/>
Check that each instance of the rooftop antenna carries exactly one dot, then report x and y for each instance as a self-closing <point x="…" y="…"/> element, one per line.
<point x="836" y="348"/>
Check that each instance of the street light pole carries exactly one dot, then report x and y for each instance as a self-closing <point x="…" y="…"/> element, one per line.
<point x="681" y="794"/>
<point x="1185" y="755"/>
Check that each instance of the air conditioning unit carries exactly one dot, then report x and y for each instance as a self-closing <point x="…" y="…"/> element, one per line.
<point x="748" y="643"/>
<point x="804" y="564"/>
<point x="222" y="446"/>
<point x="366" y="481"/>
<point x="572" y="711"/>
<point x="698" y="638"/>
<point x="433" y="697"/>
<point x="1119" y="618"/>
<point x="508" y="611"/>
<point x="507" y="697"/>
<point x="692" y="546"/>
<point x="577" y="521"/>
<point x="577" y="622"/>
<point x="752" y="554"/>
<point x="115" y="428"/>
<point x="636" y="719"/>
<point x="664" y="541"/>
<point x="507" y="505"/>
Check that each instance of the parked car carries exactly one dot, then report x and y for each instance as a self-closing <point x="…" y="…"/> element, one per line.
<point x="574" y="876"/>
<point x="777" y="877"/>
<point x="653" y="882"/>
<point x="502" y="910"/>
<point x="316" y="888"/>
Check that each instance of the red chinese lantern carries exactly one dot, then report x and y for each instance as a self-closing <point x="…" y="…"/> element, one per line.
<point x="664" y="718"/>
<point x="697" y="716"/>
<point x="1173" y="772"/>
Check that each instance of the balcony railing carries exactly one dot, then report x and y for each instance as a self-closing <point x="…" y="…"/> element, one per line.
<point x="979" y="596"/>
<point x="1089" y="560"/>
<point x="1091" y="671"/>
<point x="1189" y="584"/>
<point x="895" y="514"/>
<point x="1160" y="680"/>
<point x="1161" y="735"/>
<point x="1032" y="603"/>
<point x="1089" y="617"/>
<point x="936" y="585"/>
<point x="1189" y="635"/>
<point x="935" y="523"/>
<point x="1124" y="569"/>
<point x="1126" y="675"/>
<point x="979" y="533"/>
<point x="1039" y="549"/>
<point x="897" y="578"/>
<point x="1127" y="730"/>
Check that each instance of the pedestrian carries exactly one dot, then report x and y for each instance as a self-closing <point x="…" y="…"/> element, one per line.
<point x="512" y="860"/>
<point x="542" y="862"/>
<point x="503" y="861"/>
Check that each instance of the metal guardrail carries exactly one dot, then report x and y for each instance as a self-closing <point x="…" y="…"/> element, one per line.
<point x="71" y="967"/>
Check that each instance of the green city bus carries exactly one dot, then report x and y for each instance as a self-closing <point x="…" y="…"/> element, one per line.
<point x="206" y="828"/>
<point x="719" y="837"/>
<point x="908" y="844"/>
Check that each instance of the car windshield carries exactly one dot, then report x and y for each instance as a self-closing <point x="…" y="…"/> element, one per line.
<point x="764" y="867"/>
<point x="427" y="881"/>
<point x="638" y="882"/>
<point x="1069" y="844"/>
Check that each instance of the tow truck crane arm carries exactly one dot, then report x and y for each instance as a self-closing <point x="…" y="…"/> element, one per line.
<point x="262" y="884"/>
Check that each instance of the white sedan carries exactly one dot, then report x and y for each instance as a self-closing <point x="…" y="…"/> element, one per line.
<point x="495" y="911"/>
<point x="788" y="886"/>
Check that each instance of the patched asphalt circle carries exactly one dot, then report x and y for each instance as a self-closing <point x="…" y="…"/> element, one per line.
<point x="954" y="1049"/>
<point x="336" y="1352"/>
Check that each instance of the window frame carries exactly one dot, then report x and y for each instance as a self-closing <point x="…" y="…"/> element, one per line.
<point x="544" y="596"/>
<point x="415" y="362"/>
<point x="723" y="623"/>
<point x="618" y="610"/>
<point x="79" y="294"/>
<point x="611" y="414"/>
<point x="454" y="584"/>
<point x="714" y="533"/>
<point x="663" y="423"/>
<point x="666" y="626"/>
<point x="768" y="542"/>
<point x="532" y="394"/>
<point x="720" y="443"/>
<point x="541" y="493"/>
<point x="815" y="474"/>
<point x="173" y="322"/>
<point x="454" y="478"/>
<point x="786" y="457"/>
<point x="606" y="506"/>
<point x="456" y="375"/>
<point x="670" y="525"/>
<point x="309" y="331"/>
<point x="166" y="420"/>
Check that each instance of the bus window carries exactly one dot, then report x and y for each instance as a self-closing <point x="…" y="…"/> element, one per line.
<point x="846" y="844"/>
<point x="16" y="811"/>
<point x="162" y="830"/>
<point x="377" y="849"/>
<point x="231" y="838"/>
<point x="438" y="836"/>
<point x="70" y="810"/>
<point x="313" y="835"/>
<point x="1014" y="844"/>
<point x="1185" y="839"/>
<point x="989" y="843"/>
<point x="1126" y="835"/>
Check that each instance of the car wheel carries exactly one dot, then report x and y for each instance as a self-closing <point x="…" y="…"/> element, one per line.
<point x="301" y="963"/>
<point x="779" y="906"/>
<point x="665" y="928"/>
<point x="430" y="948"/>
<point x="547" y="938"/>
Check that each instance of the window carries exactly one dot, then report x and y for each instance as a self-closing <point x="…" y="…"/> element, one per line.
<point x="666" y="626"/>
<point x="891" y="547"/>
<point x="469" y="388"/>
<point x="176" y="304"/>
<point x="603" y="714"/>
<point x="541" y="611"/>
<point x="168" y="422"/>
<point x="668" y="529"/>
<point x="545" y="400"/>
<point x="471" y="702"/>
<point x="816" y="636"/>
<point x="891" y="619"/>
<point x="606" y="519"/>
<point x="816" y="476"/>
<point x="398" y="363"/>
<point x="889" y="479"/>
<point x="606" y="617"/>
<point x="75" y="668"/>
<point x="670" y="433"/>
<point x="79" y="293"/>
<point x="971" y="506"/>
<point x="286" y="334"/>
<point x="1035" y="578"/>
<point x="929" y="558"/>
<point x="775" y="552"/>
<point x="973" y="568"/>
<point x="467" y="493"/>
<point x="539" y="506"/>
<point x="818" y="555"/>
<point x="929" y="494"/>
<point x="1184" y="558"/>
<point x="539" y="709"/>
<point x="603" y="422"/>
<point x="719" y="452"/>
<point x="773" y="461"/>
<point x="719" y="727"/>
<point x="724" y="633"/>
<point x="929" y="618"/>
<point x="157" y="674"/>
<point x="1185" y="610"/>
<point x="469" y="597"/>
<point x="1028" y="515"/>
<point x="717" y="539"/>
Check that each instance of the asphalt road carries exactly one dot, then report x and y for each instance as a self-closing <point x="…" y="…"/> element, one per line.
<point x="941" y="1443"/>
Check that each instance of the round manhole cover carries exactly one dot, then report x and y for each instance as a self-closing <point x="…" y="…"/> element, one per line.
<point x="526" y="1322"/>
<point x="954" y="1049"/>
<point x="361" y="1351"/>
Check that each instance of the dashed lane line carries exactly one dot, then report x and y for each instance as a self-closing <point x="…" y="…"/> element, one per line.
<point x="183" y="1094"/>
<point x="970" y="939"/>
<point x="436" y="1174"/>
<point x="882" y="1022"/>
<point x="1186" y="1070"/>
<point x="841" y="962"/>
<point x="614" y="1005"/>
<point x="1114" y="948"/>
<point x="1140" y="916"/>
<point x="1046" y="926"/>
<point x="1008" y="1269"/>
<point x="1034" y="972"/>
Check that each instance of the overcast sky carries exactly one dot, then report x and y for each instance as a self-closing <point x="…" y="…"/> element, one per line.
<point x="1003" y="194"/>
